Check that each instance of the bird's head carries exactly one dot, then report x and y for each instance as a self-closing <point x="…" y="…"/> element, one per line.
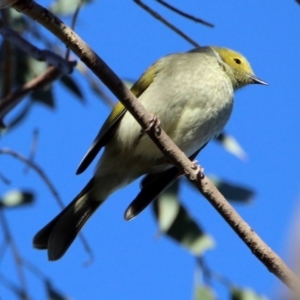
<point x="237" y="68"/>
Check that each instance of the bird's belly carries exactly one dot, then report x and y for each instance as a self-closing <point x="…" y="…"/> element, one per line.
<point x="193" y="130"/>
<point x="190" y="121"/>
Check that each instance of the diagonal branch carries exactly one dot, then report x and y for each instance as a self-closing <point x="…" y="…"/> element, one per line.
<point x="164" y="143"/>
<point x="60" y="67"/>
<point x="15" y="97"/>
<point x="74" y="19"/>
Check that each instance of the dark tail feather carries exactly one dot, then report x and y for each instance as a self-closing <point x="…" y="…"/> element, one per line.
<point x="58" y="235"/>
<point x="152" y="186"/>
<point x="40" y="240"/>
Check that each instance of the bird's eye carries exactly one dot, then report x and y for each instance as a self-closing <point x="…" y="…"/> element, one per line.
<point x="237" y="60"/>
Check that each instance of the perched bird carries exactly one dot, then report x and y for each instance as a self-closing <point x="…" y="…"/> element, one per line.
<point x="192" y="96"/>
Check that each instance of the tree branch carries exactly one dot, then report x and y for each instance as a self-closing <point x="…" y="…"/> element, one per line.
<point x="15" y="97"/>
<point x="165" y="144"/>
<point x="157" y="16"/>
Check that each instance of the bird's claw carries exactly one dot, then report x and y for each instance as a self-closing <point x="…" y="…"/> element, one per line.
<point x="198" y="169"/>
<point x="153" y="124"/>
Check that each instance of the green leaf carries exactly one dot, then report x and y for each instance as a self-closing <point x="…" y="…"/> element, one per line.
<point x="18" y="21"/>
<point x="175" y="221"/>
<point x="54" y="294"/>
<point x="167" y="207"/>
<point x="232" y="192"/>
<point x="72" y="86"/>
<point x="65" y="7"/>
<point x="44" y="96"/>
<point x="16" y="198"/>
<point x="20" y="116"/>
<point x="245" y="294"/>
<point x="203" y="293"/>
<point x="231" y="145"/>
<point x="18" y="65"/>
<point x="36" y="68"/>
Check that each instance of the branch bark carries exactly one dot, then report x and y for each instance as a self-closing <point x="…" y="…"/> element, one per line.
<point x="271" y="260"/>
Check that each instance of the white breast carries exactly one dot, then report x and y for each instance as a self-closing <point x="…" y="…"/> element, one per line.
<point x="192" y="108"/>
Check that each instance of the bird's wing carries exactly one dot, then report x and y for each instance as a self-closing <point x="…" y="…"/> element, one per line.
<point x="111" y="123"/>
<point x="152" y="185"/>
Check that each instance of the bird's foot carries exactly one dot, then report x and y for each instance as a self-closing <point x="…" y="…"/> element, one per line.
<point x="154" y="124"/>
<point x="198" y="169"/>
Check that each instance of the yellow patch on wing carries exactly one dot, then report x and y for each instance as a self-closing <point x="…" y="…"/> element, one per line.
<point x="111" y="123"/>
<point x="137" y="89"/>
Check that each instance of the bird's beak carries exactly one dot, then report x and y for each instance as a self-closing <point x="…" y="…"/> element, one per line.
<point x="257" y="80"/>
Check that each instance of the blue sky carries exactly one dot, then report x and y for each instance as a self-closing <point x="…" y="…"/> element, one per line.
<point x="130" y="262"/>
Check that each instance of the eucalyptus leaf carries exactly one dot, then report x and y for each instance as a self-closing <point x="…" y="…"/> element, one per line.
<point x="44" y="96"/>
<point x="72" y="86"/>
<point x="16" y="198"/>
<point x="66" y="7"/>
<point x="167" y="207"/>
<point x="233" y="192"/>
<point x="18" y="61"/>
<point x="36" y="67"/>
<point x="53" y="294"/>
<point x="203" y="293"/>
<point x="175" y="221"/>
<point x="245" y="294"/>
<point x="20" y="115"/>
<point x="231" y="145"/>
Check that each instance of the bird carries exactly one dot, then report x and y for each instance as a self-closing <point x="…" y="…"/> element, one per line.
<point x="192" y="95"/>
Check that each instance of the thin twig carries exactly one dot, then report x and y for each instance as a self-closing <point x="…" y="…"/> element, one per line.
<point x="4" y="179"/>
<point x="160" y="138"/>
<point x="34" y="270"/>
<point x="167" y="23"/>
<point x="209" y="275"/>
<point x="3" y="248"/>
<point x="16" y="96"/>
<point x="15" y="252"/>
<point x="33" y="149"/>
<point x="188" y="16"/>
<point x="11" y="286"/>
<point x="51" y="187"/>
